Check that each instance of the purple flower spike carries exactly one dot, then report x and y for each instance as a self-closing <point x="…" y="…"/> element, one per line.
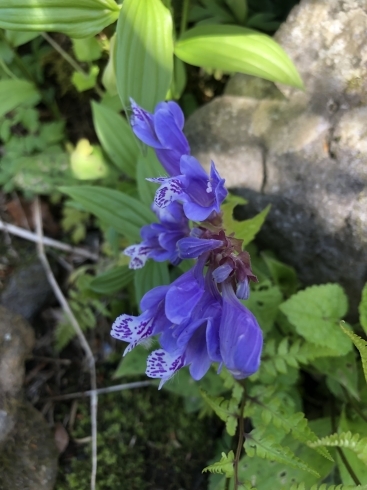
<point x="163" y="132"/>
<point x="160" y="239"/>
<point x="240" y="336"/>
<point x="200" y="194"/>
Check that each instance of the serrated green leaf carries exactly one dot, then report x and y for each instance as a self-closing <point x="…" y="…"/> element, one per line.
<point x="237" y="49"/>
<point x="224" y="466"/>
<point x="363" y="309"/>
<point x="245" y="230"/>
<point x="264" y="302"/>
<point x="361" y="346"/>
<point x="148" y="166"/>
<point x="116" y="137"/>
<point x="266" y="448"/>
<point x="316" y="312"/>
<point x="124" y="213"/>
<point x="144" y="52"/>
<point x="13" y="93"/>
<point x="82" y="19"/>
<point x="151" y="275"/>
<point x="113" y="280"/>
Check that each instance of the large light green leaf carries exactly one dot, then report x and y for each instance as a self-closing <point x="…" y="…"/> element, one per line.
<point x="144" y="52"/>
<point x="237" y="49"/>
<point x="81" y="18"/>
<point x="16" y="92"/>
<point x="316" y="313"/>
<point x="124" y="213"/>
<point x="116" y="138"/>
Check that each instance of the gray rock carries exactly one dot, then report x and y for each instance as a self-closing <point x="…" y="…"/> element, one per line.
<point x="28" y="455"/>
<point x="28" y="461"/>
<point x="306" y="154"/>
<point x="27" y="290"/>
<point x="16" y="342"/>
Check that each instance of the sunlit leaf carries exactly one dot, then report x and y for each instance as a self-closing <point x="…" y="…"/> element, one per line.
<point x="116" y="138"/>
<point x="144" y="52"/>
<point x="237" y="49"/>
<point x="87" y="49"/>
<point x="81" y="18"/>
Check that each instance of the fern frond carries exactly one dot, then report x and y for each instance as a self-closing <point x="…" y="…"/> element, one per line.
<point x="225" y="409"/>
<point x="266" y="448"/>
<point x="361" y="346"/>
<point x="296" y="424"/>
<point x="224" y="466"/>
<point x="277" y="358"/>
<point x="345" y="439"/>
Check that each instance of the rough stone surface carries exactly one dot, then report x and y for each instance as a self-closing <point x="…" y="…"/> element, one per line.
<point x="27" y="290"/>
<point x="28" y="455"/>
<point x="305" y="153"/>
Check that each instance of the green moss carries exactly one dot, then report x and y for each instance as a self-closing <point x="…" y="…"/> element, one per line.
<point x="146" y="441"/>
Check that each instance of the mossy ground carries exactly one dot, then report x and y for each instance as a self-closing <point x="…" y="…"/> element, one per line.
<point x="146" y="441"/>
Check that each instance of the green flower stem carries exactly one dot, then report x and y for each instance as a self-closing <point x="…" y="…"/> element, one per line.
<point x="70" y="60"/>
<point x="184" y="16"/>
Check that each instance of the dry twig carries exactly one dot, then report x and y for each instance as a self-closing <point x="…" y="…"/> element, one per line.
<point x="28" y="235"/>
<point x="90" y="358"/>
<point x="103" y="391"/>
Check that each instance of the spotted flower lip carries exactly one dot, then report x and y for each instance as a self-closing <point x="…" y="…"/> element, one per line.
<point x="160" y="239"/>
<point x="200" y="194"/>
<point x="162" y="130"/>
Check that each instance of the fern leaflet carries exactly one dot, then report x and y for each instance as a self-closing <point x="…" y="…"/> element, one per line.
<point x="225" y="465"/>
<point x="347" y="440"/>
<point x="265" y="447"/>
<point x="361" y="346"/>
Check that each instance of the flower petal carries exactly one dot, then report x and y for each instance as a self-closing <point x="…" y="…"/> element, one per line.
<point x="192" y="247"/>
<point x="143" y="126"/>
<point x="162" y="365"/>
<point x="168" y="192"/>
<point x="133" y="329"/>
<point x="222" y="272"/>
<point x="182" y="297"/>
